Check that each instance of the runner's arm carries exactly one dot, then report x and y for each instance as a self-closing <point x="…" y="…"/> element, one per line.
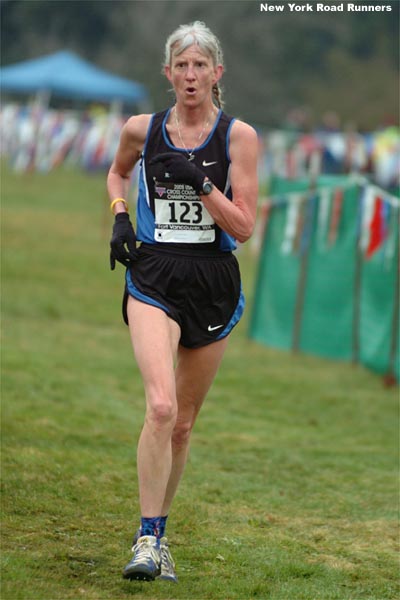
<point x="133" y="136"/>
<point x="237" y="217"/>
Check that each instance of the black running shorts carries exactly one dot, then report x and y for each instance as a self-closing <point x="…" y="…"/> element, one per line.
<point x="200" y="291"/>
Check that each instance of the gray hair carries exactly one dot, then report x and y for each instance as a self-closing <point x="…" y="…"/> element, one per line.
<point x="196" y="33"/>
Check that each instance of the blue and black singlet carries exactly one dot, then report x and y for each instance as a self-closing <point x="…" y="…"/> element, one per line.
<point x="172" y="214"/>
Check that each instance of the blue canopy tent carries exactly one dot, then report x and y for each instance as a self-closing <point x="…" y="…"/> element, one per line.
<point x="64" y="74"/>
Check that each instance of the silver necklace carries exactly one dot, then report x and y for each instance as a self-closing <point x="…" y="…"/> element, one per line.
<point x="190" y="152"/>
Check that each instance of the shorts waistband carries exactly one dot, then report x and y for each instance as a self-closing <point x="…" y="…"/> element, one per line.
<point x="201" y="253"/>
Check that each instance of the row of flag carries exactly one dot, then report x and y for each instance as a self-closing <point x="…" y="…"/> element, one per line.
<point x="292" y="156"/>
<point x="40" y="139"/>
<point x="376" y="226"/>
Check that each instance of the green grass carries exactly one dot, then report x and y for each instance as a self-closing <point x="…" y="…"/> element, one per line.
<point x="290" y="491"/>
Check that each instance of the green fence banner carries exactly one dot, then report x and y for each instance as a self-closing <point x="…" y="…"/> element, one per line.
<point x="328" y="275"/>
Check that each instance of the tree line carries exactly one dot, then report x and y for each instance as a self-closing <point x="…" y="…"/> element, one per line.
<point x="345" y="62"/>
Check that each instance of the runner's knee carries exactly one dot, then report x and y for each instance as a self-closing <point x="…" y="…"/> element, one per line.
<point x="161" y="414"/>
<point x="181" y="434"/>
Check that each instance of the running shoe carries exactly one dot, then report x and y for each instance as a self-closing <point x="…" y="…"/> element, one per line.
<point x="167" y="563"/>
<point x="146" y="561"/>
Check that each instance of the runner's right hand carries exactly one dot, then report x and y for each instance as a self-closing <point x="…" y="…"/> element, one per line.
<point x="122" y="235"/>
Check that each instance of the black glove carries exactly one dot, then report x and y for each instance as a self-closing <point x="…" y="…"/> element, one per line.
<point x="180" y="170"/>
<point x="122" y="234"/>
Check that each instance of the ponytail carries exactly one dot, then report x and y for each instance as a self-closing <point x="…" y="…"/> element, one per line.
<point x="217" y="95"/>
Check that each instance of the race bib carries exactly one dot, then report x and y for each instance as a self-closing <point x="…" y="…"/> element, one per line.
<point x="180" y="215"/>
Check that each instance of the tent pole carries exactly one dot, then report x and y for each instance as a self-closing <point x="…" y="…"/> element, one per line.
<point x="357" y="295"/>
<point x="42" y="100"/>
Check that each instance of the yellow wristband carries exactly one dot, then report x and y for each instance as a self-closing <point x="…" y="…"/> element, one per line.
<point x="114" y="202"/>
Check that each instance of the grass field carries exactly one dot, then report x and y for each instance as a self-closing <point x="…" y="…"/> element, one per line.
<point x="291" y="488"/>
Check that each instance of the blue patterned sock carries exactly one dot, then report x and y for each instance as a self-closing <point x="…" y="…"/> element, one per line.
<point x="150" y="526"/>
<point x="163" y="524"/>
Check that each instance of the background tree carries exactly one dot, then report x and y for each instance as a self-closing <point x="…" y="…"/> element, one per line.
<point x="345" y="62"/>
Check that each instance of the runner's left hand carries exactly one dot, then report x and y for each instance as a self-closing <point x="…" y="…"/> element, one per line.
<point x="179" y="170"/>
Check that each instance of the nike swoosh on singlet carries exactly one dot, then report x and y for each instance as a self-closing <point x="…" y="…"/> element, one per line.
<point x="213" y="328"/>
<point x="208" y="164"/>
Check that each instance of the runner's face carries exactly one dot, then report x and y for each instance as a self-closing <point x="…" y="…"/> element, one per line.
<point x="192" y="74"/>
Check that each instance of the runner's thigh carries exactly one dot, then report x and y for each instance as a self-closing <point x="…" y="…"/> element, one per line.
<point x="155" y="340"/>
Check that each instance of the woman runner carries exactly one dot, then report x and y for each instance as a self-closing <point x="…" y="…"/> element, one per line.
<point x="197" y="196"/>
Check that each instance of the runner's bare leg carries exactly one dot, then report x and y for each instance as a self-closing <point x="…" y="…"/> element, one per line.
<point x="195" y="372"/>
<point x="155" y="339"/>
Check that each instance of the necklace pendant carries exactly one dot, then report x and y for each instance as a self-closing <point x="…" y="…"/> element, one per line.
<point x="190" y="157"/>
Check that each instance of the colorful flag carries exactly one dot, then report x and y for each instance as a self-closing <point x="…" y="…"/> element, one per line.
<point x="367" y="202"/>
<point x="335" y="215"/>
<point x="291" y="225"/>
<point x="378" y="228"/>
<point x="324" y="208"/>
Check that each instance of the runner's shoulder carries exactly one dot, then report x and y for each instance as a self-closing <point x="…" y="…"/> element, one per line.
<point x="135" y="128"/>
<point x="243" y="131"/>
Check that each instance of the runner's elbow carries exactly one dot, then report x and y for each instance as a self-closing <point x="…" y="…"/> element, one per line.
<point x="245" y="233"/>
